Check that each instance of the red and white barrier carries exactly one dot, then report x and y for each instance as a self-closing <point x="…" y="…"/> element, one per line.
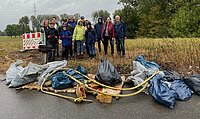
<point x="32" y="40"/>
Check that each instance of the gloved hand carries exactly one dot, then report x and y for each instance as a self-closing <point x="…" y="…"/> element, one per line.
<point x="49" y="36"/>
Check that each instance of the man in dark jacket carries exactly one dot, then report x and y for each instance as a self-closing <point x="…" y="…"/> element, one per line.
<point x="98" y="28"/>
<point x="71" y="26"/>
<point x="120" y="33"/>
<point x="52" y="39"/>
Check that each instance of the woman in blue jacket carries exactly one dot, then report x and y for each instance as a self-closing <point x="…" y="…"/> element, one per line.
<point x="66" y="38"/>
<point x="90" y="36"/>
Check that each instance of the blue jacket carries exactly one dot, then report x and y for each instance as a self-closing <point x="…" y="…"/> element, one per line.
<point x="98" y="27"/>
<point x="90" y="36"/>
<point x="71" y="26"/>
<point x="66" y="38"/>
<point x="120" y="30"/>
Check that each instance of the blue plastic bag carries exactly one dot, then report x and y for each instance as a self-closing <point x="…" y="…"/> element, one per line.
<point x="61" y="81"/>
<point x="81" y="70"/>
<point x="183" y="92"/>
<point x="145" y="63"/>
<point x="161" y="92"/>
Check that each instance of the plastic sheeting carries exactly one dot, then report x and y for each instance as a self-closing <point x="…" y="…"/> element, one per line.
<point x="61" y="81"/>
<point x="138" y="74"/>
<point x="107" y="74"/>
<point x="81" y="70"/>
<point x="183" y="92"/>
<point x="193" y="82"/>
<point x="49" y="67"/>
<point x="12" y="72"/>
<point x="165" y="88"/>
<point x="145" y="63"/>
<point x="161" y="92"/>
<point x="26" y="75"/>
<point x="31" y="72"/>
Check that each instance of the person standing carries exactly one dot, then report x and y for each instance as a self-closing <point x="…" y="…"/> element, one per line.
<point x="78" y="37"/>
<point x="52" y="38"/>
<point x="56" y="26"/>
<point x="90" y="36"/>
<point x="98" y="28"/>
<point x="46" y="28"/>
<point x="71" y="26"/>
<point x="64" y="21"/>
<point x="108" y="34"/>
<point x="120" y="34"/>
<point x="66" y="38"/>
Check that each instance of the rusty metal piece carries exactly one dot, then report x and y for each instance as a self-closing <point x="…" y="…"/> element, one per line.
<point x="81" y="91"/>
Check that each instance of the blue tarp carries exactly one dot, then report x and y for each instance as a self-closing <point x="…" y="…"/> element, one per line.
<point x="161" y="92"/>
<point x="166" y="88"/>
<point x="182" y="90"/>
<point x="145" y="63"/>
<point x="61" y="81"/>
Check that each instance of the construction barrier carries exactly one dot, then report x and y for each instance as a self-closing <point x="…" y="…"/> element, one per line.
<point x="33" y="40"/>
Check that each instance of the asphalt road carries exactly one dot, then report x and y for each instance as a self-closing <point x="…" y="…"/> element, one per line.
<point x="36" y="105"/>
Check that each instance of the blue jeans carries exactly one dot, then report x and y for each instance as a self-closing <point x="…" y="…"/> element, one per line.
<point x="79" y="46"/>
<point x="91" y="48"/>
<point x="120" y="45"/>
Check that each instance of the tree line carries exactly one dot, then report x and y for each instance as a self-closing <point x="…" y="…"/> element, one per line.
<point x="161" y="18"/>
<point x="143" y="18"/>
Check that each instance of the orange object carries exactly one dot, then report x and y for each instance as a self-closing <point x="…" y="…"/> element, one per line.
<point x="104" y="98"/>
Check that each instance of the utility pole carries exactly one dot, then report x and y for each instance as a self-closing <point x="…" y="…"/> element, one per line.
<point x="35" y="10"/>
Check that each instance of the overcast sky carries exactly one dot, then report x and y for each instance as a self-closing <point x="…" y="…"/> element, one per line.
<point x="12" y="10"/>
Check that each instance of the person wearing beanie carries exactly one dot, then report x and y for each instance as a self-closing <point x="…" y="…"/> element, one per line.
<point x="90" y="36"/>
<point x="98" y="28"/>
<point x="52" y="39"/>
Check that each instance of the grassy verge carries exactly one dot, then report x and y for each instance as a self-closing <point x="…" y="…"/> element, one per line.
<point x="179" y="54"/>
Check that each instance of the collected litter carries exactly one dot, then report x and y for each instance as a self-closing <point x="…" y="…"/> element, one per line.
<point x="54" y="78"/>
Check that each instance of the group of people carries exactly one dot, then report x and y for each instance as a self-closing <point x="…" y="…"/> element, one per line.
<point x="80" y="36"/>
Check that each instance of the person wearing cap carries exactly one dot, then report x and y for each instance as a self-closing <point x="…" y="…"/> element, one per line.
<point x="78" y="37"/>
<point x="90" y="36"/>
<point x="98" y="28"/>
<point x="108" y="34"/>
<point x="66" y="38"/>
<point x="120" y="33"/>
<point x="52" y="39"/>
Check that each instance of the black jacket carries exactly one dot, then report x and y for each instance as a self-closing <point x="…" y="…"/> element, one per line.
<point x="52" y="35"/>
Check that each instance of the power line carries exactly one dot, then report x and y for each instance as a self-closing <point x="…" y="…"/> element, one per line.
<point x="16" y="13"/>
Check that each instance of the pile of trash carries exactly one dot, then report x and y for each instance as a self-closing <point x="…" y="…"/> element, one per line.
<point x="54" y="78"/>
